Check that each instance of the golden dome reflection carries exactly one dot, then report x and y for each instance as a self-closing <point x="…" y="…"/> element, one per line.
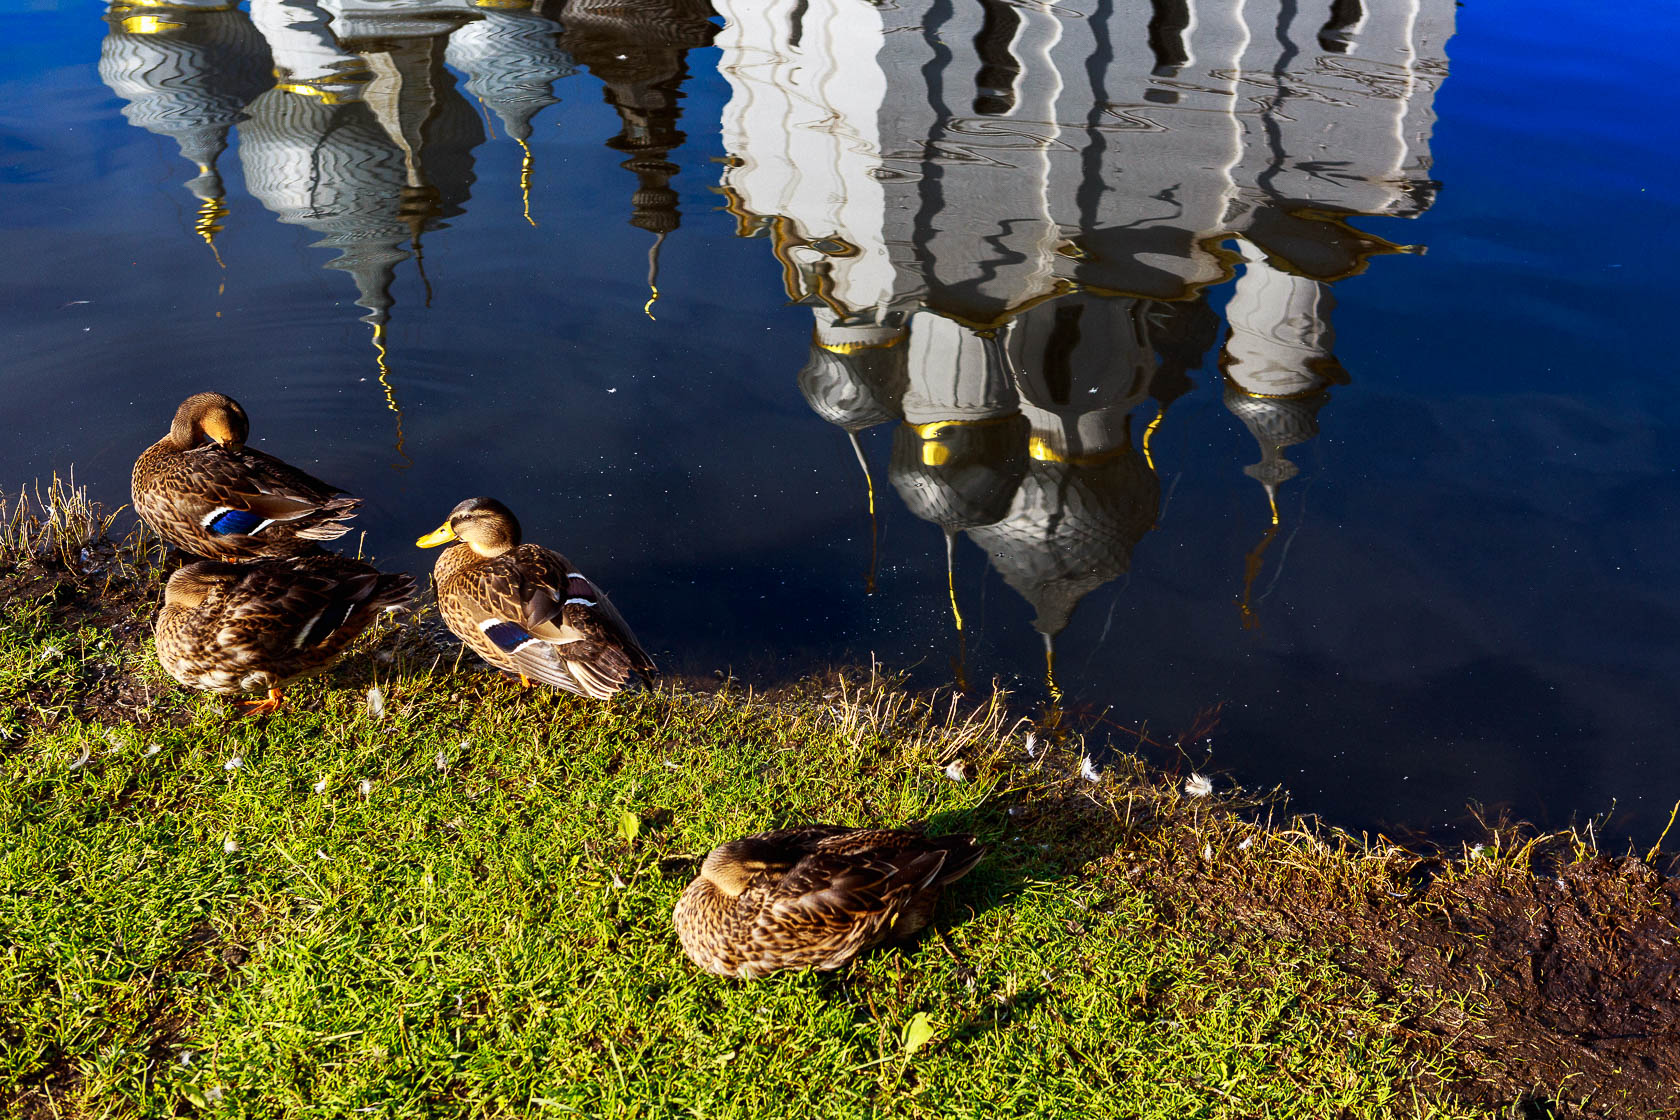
<point x="1044" y="200"/>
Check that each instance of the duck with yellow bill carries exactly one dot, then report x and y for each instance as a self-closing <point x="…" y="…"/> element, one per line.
<point x="525" y="609"/>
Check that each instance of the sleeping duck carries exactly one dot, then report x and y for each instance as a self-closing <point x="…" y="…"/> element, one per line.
<point x="525" y="609"/>
<point x="204" y="491"/>
<point x="814" y="896"/>
<point x="232" y="628"/>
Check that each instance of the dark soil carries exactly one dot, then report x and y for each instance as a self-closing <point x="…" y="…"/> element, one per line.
<point x="1559" y="991"/>
<point x="105" y="594"/>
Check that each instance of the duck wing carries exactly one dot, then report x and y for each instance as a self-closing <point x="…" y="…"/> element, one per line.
<point x="855" y="884"/>
<point x="552" y="623"/>
<point x="306" y="608"/>
<point x="243" y="493"/>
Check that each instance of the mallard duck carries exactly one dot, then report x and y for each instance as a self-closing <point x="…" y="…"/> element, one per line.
<point x="231" y="628"/>
<point x="814" y="896"/>
<point x="525" y="609"/>
<point x="203" y="490"/>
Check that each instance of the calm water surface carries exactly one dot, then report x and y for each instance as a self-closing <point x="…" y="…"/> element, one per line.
<point x="1302" y="357"/>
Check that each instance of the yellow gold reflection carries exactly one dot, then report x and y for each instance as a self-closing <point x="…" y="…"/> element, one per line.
<point x="525" y="180"/>
<point x="208" y="222"/>
<point x="1149" y="433"/>
<point x="653" y="281"/>
<point x="874" y="535"/>
<point x="385" y="383"/>
<point x="149" y="25"/>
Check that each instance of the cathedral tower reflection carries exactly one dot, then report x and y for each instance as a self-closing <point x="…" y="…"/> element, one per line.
<point x="1007" y="220"/>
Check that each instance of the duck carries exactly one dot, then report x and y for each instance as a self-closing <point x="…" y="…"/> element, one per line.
<point x="814" y="896"/>
<point x="229" y="628"/>
<point x="204" y="491"/>
<point x="526" y="610"/>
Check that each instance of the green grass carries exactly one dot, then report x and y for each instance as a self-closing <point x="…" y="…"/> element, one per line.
<point x="493" y="937"/>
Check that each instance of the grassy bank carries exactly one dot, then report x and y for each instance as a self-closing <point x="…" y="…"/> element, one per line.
<point x="455" y="900"/>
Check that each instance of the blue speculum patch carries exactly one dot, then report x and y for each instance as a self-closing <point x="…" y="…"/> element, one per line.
<point x="508" y="636"/>
<point x="235" y="521"/>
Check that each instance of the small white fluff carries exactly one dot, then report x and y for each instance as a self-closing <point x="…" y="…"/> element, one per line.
<point x="52" y="653"/>
<point x="321" y="786"/>
<point x="233" y="763"/>
<point x="322" y="856"/>
<point x="153" y="749"/>
<point x="186" y="1057"/>
<point x="229" y="845"/>
<point x="441" y="762"/>
<point x="1032" y="744"/>
<point x="955" y="772"/>
<point x="1476" y="851"/>
<point x="1199" y="785"/>
<point x="1207" y="852"/>
<point x="375" y="702"/>
<point x="81" y="760"/>
<point x="366" y="787"/>
<point x="1247" y="842"/>
<point x="1088" y="770"/>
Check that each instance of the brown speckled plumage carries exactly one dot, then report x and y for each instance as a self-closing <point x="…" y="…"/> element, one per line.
<point x="242" y="627"/>
<point x="814" y="896"/>
<point x="202" y="468"/>
<point x="526" y="610"/>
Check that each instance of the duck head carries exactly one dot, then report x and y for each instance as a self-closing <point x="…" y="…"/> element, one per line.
<point x="733" y="866"/>
<point x="482" y="524"/>
<point x="210" y="416"/>
<point x="190" y="586"/>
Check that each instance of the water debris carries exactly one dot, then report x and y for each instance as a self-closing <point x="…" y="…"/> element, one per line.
<point x="955" y="772"/>
<point x="1198" y="786"/>
<point x="375" y="702"/>
<point x="233" y="763"/>
<point x="1088" y="769"/>
<point x="81" y="760"/>
<point x="229" y="845"/>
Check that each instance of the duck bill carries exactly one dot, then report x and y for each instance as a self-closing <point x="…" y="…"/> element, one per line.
<point x="443" y="534"/>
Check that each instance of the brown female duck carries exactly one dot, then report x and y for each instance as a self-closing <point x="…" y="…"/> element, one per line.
<point x="525" y="609"/>
<point x="231" y="628"/>
<point x="814" y="896"/>
<point x="203" y="490"/>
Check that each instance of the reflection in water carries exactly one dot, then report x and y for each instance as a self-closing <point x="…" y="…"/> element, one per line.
<point x="186" y="72"/>
<point x="352" y="126"/>
<point x="638" y="49"/>
<point x="1007" y="221"/>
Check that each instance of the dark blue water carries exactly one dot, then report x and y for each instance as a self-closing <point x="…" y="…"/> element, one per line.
<point x="1092" y="286"/>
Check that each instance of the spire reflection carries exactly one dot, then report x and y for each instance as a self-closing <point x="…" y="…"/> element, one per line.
<point x="1042" y="200"/>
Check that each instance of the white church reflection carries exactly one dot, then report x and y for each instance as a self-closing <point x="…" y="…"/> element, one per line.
<point x="351" y="123"/>
<point x="1006" y="219"/>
